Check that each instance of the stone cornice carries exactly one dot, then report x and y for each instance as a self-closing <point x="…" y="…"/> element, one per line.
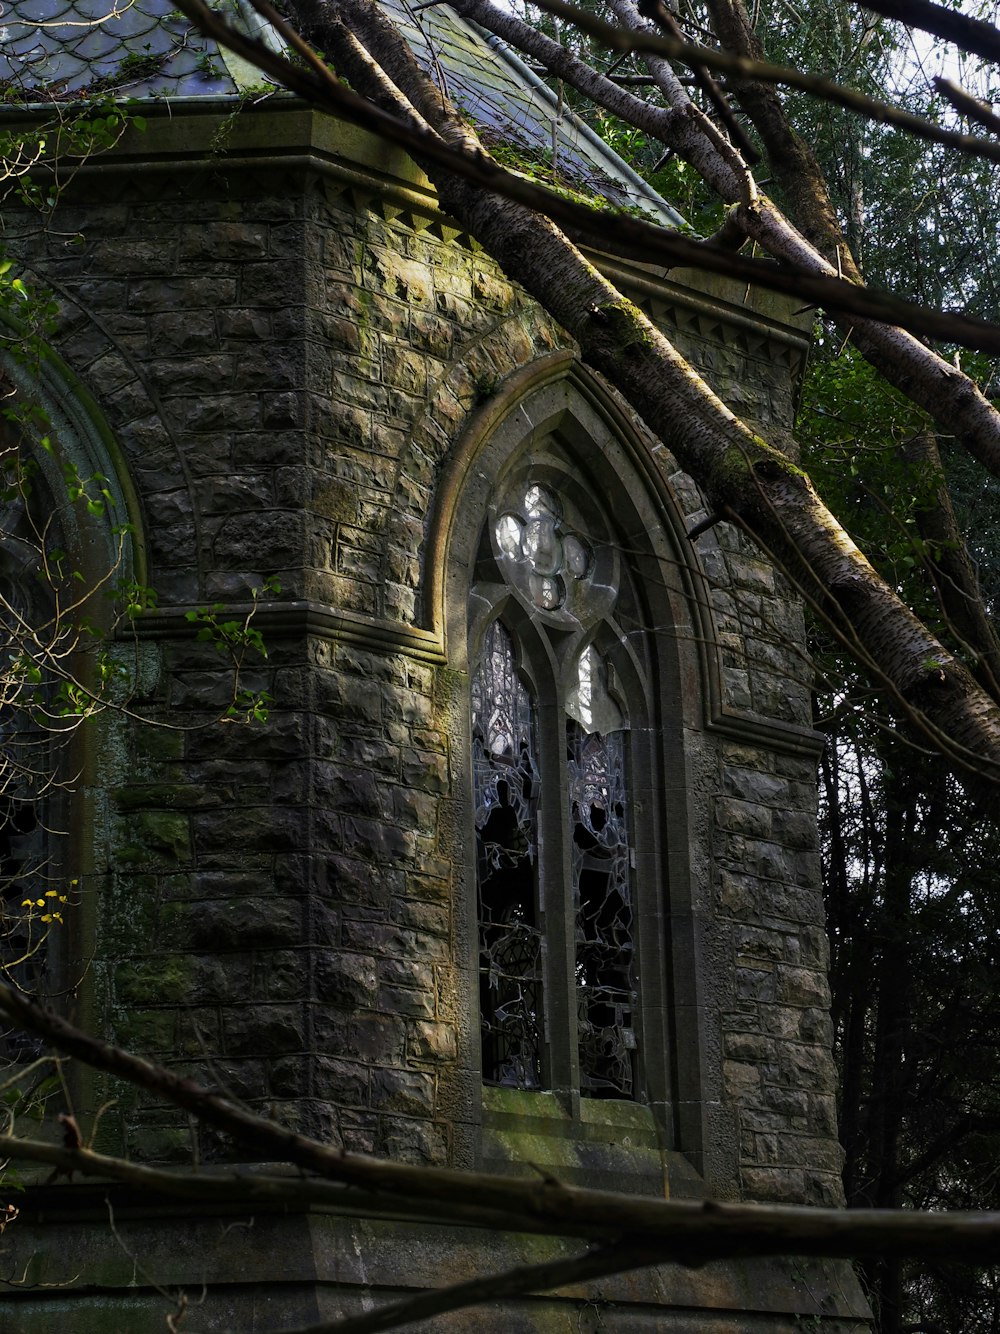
<point x="305" y="618"/>
<point x="369" y="175"/>
<point x="300" y="618"/>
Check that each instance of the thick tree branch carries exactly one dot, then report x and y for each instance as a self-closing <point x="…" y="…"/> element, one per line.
<point x="791" y="159"/>
<point x="763" y="71"/>
<point x="951" y="566"/>
<point x="967" y="105"/>
<point x="667" y="23"/>
<point x="933" y="383"/>
<point x="607" y="231"/>
<point x="773" y="500"/>
<point x="690" y="1231"/>
<point x="974" y="35"/>
<point x="943" y="391"/>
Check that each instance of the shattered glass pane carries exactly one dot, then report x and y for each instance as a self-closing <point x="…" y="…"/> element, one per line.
<point x="505" y="780"/>
<point x="606" y="983"/>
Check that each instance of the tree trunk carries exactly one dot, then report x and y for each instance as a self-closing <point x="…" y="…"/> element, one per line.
<point x="743" y="477"/>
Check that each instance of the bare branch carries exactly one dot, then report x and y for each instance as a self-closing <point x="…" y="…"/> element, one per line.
<point x="598" y="1263"/>
<point x="827" y="90"/>
<point x="692" y="1231"/>
<point x="613" y="233"/>
<point x="974" y="35"/>
<point x="967" y="105"/>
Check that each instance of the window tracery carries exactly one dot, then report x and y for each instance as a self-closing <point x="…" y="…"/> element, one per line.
<point x="565" y="582"/>
<point x="606" y="984"/>
<point x="506" y="784"/>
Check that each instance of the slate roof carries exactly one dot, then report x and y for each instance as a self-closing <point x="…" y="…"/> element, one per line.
<point x="145" y="49"/>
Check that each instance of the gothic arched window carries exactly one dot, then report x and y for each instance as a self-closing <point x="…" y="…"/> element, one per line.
<point x="32" y="805"/>
<point x="559" y="966"/>
<point x="65" y="544"/>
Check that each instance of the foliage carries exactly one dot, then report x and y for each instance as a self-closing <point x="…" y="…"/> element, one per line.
<point x="908" y="857"/>
<point x="235" y="638"/>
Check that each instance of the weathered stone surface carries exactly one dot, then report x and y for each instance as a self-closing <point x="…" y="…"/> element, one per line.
<point x="297" y="388"/>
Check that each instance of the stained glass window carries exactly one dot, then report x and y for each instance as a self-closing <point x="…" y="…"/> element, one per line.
<point x="506" y="785"/>
<point x="602" y="906"/>
<point x="568" y="584"/>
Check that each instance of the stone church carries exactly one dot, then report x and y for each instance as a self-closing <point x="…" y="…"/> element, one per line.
<point x="521" y="873"/>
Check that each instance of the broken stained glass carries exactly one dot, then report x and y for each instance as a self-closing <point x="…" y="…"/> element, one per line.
<point x="606" y="987"/>
<point x="505" y="779"/>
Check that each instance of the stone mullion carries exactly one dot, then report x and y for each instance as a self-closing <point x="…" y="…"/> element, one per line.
<point x="554" y="889"/>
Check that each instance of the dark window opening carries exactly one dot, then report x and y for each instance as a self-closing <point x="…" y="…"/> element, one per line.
<point x="24" y="952"/>
<point x="606" y="987"/>
<point x="506" y="794"/>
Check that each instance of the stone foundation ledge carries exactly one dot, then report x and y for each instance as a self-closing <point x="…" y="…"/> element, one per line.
<point x="85" y="1258"/>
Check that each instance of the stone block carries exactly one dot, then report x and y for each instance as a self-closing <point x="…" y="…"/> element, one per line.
<point x="376" y="841"/>
<point x="431" y="1042"/>
<point x="773" y="1185"/>
<point x="802" y="986"/>
<point x="408" y="1091"/>
<point x="414" y="1141"/>
<point x="343" y="1082"/>
<point x="280" y="975"/>
<point x="244" y="923"/>
<point x="427" y="919"/>
<point x="262" y="1030"/>
<point x="405" y="1001"/>
<point x="744" y="817"/>
<point x="345" y="979"/>
<point x="151" y="1033"/>
<point x="414" y="810"/>
<point x="347" y="789"/>
<point x="154" y="837"/>
<point x="377" y="1039"/>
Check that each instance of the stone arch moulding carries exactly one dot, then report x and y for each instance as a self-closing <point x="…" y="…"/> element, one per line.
<point x="83" y="437"/>
<point x="557" y="399"/>
<point x="111" y="541"/>
<point x="556" y="395"/>
<point x="555" y="427"/>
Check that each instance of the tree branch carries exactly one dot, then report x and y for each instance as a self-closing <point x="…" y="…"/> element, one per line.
<point x="934" y="384"/>
<point x="616" y="234"/>
<point x="746" y="67"/>
<point x="974" y="35"/>
<point x="967" y="105"/>
<point x="598" y="1263"/>
<point x="690" y="1230"/>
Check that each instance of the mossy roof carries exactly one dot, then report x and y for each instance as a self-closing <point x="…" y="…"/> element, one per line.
<point x="70" y="50"/>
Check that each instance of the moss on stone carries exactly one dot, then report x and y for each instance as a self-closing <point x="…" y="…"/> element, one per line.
<point x="156" y="835"/>
<point x="164" y="980"/>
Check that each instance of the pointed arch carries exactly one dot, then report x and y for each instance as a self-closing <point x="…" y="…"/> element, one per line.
<point x="70" y="534"/>
<point x="554" y="524"/>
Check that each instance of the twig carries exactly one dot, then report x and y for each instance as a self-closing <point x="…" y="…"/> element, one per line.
<point x="827" y="90"/>
<point x="512" y="1283"/>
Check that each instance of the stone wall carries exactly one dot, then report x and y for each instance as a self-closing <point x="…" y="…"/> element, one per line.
<point x="294" y="362"/>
